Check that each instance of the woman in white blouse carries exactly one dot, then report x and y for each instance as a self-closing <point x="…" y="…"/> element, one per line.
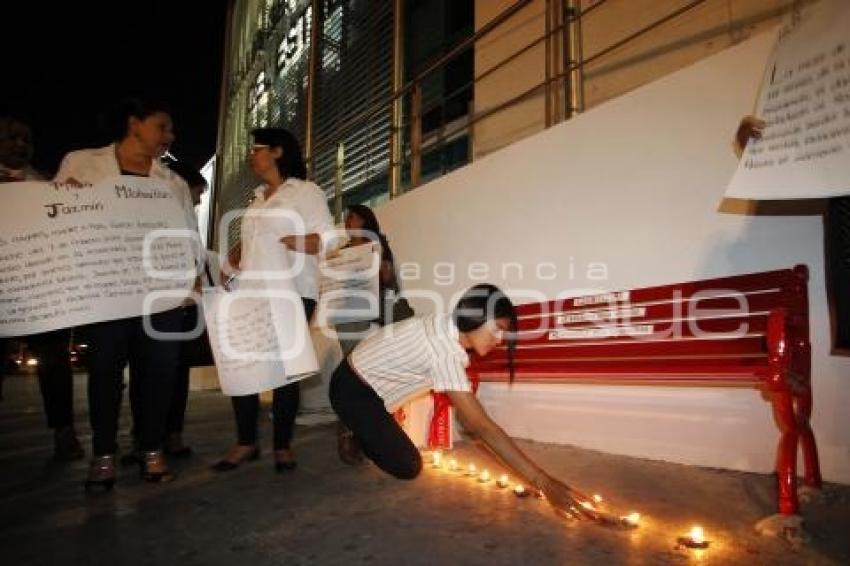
<point x="142" y="132"/>
<point x="288" y="216"/>
<point x="404" y="360"/>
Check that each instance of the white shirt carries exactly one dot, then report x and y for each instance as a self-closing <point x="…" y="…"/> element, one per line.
<point x="297" y="207"/>
<point x="403" y="360"/>
<point x="94" y="165"/>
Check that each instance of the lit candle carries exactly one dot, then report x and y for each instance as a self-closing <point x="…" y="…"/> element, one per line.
<point x="437" y="459"/>
<point x="587" y="505"/>
<point x="453" y="465"/>
<point x="631" y="520"/>
<point x="520" y="491"/>
<point x="597" y="498"/>
<point x="697" y="535"/>
<point x="695" y="538"/>
<point x="503" y="481"/>
<point x="484" y="477"/>
<point x="472" y="470"/>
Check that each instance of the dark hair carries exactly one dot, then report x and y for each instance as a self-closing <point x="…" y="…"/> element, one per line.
<point x="370" y="224"/>
<point x="487" y="302"/>
<point x="291" y="163"/>
<point x="188" y="172"/>
<point x="115" y="121"/>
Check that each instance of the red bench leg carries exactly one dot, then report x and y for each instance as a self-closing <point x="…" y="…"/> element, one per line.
<point x="803" y="406"/>
<point x="786" y="458"/>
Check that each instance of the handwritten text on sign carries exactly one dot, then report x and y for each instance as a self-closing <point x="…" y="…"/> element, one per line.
<point x="805" y="101"/>
<point x="74" y="255"/>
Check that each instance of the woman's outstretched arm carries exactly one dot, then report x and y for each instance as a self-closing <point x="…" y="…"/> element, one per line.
<point x="479" y="424"/>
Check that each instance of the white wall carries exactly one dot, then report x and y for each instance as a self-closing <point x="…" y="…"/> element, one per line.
<point x="635" y="183"/>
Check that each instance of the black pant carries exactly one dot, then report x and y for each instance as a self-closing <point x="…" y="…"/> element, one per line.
<point x="286" y="399"/>
<point x="55" y="377"/>
<point x="180" y="396"/>
<point x="381" y="438"/>
<point x="114" y="344"/>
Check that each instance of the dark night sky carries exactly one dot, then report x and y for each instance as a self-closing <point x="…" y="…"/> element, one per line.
<point x="63" y="63"/>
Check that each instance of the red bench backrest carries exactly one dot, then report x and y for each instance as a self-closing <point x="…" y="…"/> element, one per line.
<point x="739" y="330"/>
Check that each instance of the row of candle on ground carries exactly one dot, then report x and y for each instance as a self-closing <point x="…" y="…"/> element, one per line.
<point x="694" y="539"/>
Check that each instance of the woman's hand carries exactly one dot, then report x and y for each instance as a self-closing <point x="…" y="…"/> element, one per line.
<point x="749" y="128"/>
<point x="310" y="244"/>
<point x="72" y="181"/>
<point x="234" y="256"/>
<point x="568" y="500"/>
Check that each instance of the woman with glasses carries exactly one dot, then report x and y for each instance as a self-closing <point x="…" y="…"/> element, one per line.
<point x="296" y="213"/>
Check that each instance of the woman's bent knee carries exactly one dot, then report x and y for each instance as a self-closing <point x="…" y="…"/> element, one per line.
<point x="409" y="470"/>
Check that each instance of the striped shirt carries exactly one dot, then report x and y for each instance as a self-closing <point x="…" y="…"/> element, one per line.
<point x="404" y="360"/>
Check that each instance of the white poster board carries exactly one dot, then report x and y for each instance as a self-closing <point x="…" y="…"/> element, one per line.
<point x="805" y="101"/>
<point x="73" y="255"/>
<point x="258" y="331"/>
<point x="349" y="285"/>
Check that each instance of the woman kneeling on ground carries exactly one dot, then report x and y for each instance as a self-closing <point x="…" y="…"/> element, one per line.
<point x="403" y="360"/>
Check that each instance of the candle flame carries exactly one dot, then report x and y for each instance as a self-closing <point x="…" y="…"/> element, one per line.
<point x="697" y="534"/>
<point x="472" y="469"/>
<point x="503" y="480"/>
<point x="587" y="505"/>
<point x="485" y="476"/>
<point x="597" y="498"/>
<point x="453" y="464"/>
<point x="519" y="489"/>
<point x="632" y="518"/>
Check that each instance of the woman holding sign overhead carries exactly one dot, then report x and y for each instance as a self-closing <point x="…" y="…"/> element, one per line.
<point x="295" y="213"/>
<point x="142" y="133"/>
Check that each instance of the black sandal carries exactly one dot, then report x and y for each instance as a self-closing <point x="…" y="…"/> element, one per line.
<point x="347" y="446"/>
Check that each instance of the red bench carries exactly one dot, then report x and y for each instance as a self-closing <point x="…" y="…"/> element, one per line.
<point x="742" y="331"/>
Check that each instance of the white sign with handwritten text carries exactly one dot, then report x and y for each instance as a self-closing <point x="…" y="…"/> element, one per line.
<point x="804" y="151"/>
<point x="73" y="255"/>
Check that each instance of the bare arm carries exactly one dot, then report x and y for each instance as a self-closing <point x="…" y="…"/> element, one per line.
<point x="749" y="128"/>
<point x="309" y="244"/>
<point x="476" y="421"/>
<point x="234" y="258"/>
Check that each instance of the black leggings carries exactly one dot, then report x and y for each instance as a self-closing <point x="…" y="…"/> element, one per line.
<point x="286" y="399"/>
<point x="180" y="394"/>
<point x="112" y="345"/>
<point x="379" y="435"/>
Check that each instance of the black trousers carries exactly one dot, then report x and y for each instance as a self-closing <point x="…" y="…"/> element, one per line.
<point x="55" y="377"/>
<point x="180" y="395"/>
<point x="380" y="437"/>
<point x="153" y="362"/>
<point x="285" y="403"/>
<point x="837" y="236"/>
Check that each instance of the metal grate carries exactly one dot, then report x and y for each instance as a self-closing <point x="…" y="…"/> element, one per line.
<point x="355" y="51"/>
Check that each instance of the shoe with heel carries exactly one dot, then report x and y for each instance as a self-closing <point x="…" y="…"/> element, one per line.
<point x="232" y="461"/>
<point x="101" y="476"/>
<point x="284" y="461"/>
<point x="153" y="468"/>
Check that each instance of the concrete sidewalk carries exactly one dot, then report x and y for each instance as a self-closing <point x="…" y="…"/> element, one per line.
<point x="327" y="513"/>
